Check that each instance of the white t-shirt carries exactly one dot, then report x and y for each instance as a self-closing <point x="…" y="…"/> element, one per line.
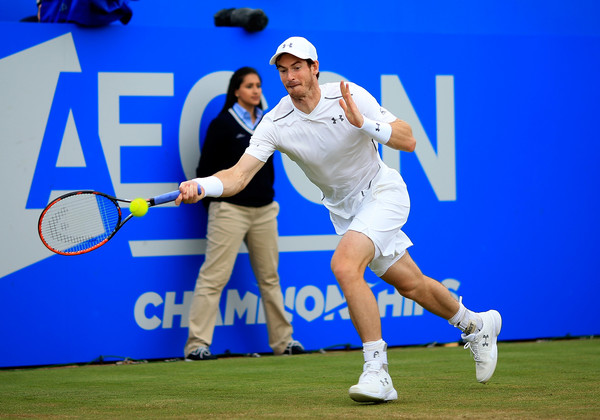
<point x="337" y="157"/>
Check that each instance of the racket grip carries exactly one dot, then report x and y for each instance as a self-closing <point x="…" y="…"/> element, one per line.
<point x="168" y="197"/>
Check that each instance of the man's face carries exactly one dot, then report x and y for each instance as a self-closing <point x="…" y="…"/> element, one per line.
<point x="296" y="75"/>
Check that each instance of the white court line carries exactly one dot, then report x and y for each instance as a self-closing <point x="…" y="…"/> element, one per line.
<point x="176" y="247"/>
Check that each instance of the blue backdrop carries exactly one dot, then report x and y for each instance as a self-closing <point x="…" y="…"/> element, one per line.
<point x="503" y="184"/>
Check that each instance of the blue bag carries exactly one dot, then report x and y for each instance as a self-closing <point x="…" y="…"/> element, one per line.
<point x="85" y="12"/>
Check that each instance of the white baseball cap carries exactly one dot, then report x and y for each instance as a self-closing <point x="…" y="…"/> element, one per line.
<point x="297" y="46"/>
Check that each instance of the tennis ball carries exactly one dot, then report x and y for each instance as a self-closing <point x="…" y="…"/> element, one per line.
<point x="138" y="207"/>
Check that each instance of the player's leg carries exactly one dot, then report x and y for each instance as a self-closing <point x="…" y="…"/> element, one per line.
<point x="480" y="330"/>
<point x="411" y="283"/>
<point x="227" y="226"/>
<point x="350" y="259"/>
<point x="374" y="231"/>
<point x="262" y="241"/>
<point x="349" y="262"/>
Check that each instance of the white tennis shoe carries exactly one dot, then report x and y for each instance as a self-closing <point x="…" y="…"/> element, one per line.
<point x="483" y="345"/>
<point x="374" y="384"/>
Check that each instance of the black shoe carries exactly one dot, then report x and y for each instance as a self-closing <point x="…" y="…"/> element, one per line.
<point x="294" y="347"/>
<point x="201" y="353"/>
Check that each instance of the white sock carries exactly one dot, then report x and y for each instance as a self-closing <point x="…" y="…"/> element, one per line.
<point x="376" y="350"/>
<point x="464" y="320"/>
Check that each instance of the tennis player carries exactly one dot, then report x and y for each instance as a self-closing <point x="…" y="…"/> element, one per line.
<point x="331" y="131"/>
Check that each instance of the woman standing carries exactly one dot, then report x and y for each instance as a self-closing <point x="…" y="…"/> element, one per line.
<point x="249" y="216"/>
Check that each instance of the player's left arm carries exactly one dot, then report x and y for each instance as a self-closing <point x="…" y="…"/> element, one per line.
<point x="401" y="137"/>
<point x="397" y="134"/>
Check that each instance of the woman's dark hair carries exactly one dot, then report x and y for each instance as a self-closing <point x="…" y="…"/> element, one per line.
<point x="234" y="84"/>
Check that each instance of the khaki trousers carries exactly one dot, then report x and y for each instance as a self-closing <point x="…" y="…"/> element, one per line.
<point x="228" y="226"/>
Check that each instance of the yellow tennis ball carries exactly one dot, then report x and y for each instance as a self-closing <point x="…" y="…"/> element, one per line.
<point x="138" y="207"/>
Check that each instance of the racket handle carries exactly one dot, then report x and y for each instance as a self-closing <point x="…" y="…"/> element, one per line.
<point x="168" y="197"/>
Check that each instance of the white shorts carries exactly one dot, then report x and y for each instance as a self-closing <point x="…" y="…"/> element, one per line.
<point x="381" y="216"/>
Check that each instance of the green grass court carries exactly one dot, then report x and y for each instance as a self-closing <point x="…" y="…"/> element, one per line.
<point x="544" y="380"/>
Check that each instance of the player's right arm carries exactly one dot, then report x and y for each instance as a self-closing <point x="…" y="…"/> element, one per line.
<point x="234" y="180"/>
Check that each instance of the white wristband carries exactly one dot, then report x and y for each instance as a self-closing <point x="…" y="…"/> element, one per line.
<point x="380" y="131"/>
<point x="213" y="187"/>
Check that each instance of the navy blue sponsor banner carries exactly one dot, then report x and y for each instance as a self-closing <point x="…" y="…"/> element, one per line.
<point x="503" y="186"/>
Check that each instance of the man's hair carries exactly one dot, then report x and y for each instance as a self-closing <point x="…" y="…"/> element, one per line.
<point x="310" y="62"/>
<point x="234" y="84"/>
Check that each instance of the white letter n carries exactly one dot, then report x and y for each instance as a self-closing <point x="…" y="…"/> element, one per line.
<point x="440" y="167"/>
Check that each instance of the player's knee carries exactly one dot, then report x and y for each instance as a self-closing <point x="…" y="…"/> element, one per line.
<point x="411" y="288"/>
<point x="340" y="269"/>
<point x="408" y="292"/>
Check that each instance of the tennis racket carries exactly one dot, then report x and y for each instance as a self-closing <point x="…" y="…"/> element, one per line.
<point x="81" y="221"/>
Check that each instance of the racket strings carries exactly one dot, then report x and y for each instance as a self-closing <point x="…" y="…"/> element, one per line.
<point x="79" y="222"/>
